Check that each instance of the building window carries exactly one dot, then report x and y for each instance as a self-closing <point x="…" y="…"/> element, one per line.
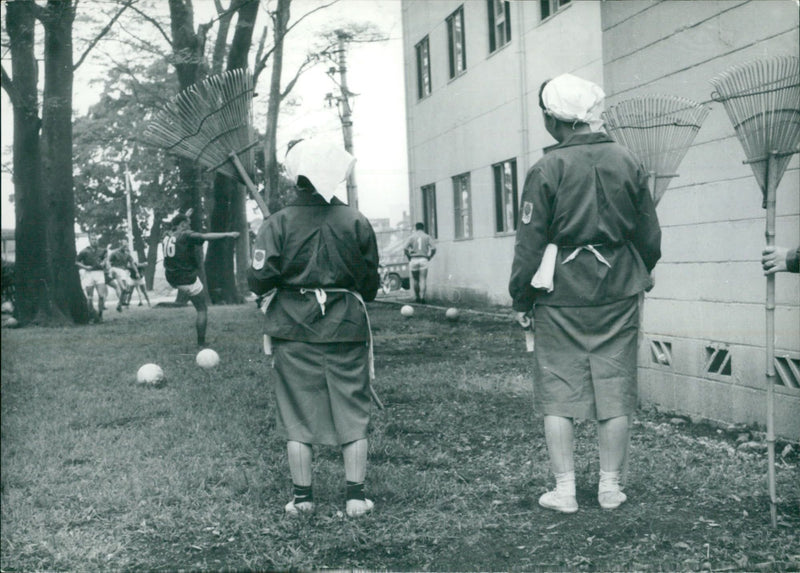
<point x="429" y="210"/>
<point x="499" y="24"/>
<point x="456" y="42"/>
<point x="550" y="7"/>
<point x="423" y="68"/>
<point x="505" y="196"/>
<point x="462" y="201"/>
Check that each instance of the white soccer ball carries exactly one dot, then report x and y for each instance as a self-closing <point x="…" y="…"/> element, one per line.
<point x="207" y="358"/>
<point x="407" y="310"/>
<point x="7" y="307"/>
<point x="151" y="374"/>
<point x="452" y="314"/>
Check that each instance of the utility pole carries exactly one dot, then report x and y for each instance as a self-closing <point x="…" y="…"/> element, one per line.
<point x="345" y="111"/>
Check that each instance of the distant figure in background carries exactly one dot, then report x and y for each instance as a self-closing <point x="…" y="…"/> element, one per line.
<point x="92" y="262"/>
<point x="419" y="250"/>
<point x="120" y="260"/>
<point x="181" y="264"/>
<point x="138" y="282"/>
<point x="588" y="198"/>
<point x="780" y="259"/>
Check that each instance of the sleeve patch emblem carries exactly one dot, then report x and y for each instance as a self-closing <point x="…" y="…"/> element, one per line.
<point x="527" y="212"/>
<point x="259" y="257"/>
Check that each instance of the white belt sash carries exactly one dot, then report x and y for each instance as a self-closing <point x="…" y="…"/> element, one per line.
<point x="322" y="297"/>
<point x="543" y="278"/>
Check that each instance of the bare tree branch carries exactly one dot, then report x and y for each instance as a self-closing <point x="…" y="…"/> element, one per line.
<point x="310" y="60"/>
<point x="10" y="88"/>
<point x="307" y="14"/>
<point x="102" y="33"/>
<point x="155" y="23"/>
<point x="261" y="60"/>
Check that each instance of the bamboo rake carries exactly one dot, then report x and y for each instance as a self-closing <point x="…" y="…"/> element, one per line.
<point x="658" y="129"/>
<point x="762" y="99"/>
<point x="211" y="122"/>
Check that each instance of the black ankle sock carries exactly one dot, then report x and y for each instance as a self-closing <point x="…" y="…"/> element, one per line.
<point x="302" y="493"/>
<point x="355" y="490"/>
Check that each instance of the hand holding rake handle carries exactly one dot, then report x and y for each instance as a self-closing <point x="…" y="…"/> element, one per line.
<point x="525" y="320"/>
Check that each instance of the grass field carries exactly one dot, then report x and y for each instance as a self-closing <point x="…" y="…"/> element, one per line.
<point x="99" y="473"/>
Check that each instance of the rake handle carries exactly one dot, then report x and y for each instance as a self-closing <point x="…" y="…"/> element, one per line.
<point x="249" y="183"/>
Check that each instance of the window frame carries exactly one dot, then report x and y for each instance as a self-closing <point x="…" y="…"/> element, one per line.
<point x="501" y="200"/>
<point x="429" y="216"/>
<point x="462" y="227"/>
<point x="494" y="44"/>
<point x="453" y="44"/>
<point x="551" y="7"/>
<point x="423" y="71"/>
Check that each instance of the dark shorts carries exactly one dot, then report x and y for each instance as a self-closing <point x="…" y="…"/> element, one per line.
<point x="585" y="360"/>
<point x="322" y="391"/>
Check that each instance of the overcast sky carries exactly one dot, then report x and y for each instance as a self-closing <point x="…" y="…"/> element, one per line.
<point x="375" y="73"/>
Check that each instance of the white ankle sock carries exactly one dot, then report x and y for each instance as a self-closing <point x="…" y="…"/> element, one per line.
<point x="565" y="483"/>
<point x="609" y="481"/>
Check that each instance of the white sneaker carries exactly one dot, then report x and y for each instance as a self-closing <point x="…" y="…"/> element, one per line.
<point x="293" y="508"/>
<point x="559" y="502"/>
<point x="358" y="507"/>
<point x="611" y="499"/>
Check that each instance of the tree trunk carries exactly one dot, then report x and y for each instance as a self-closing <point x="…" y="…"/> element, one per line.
<point x="273" y="108"/>
<point x="63" y="285"/>
<point x="30" y="267"/>
<point x="227" y="282"/>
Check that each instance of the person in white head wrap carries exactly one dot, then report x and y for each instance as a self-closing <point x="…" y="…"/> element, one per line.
<point x="573" y="100"/>
<point x="588" y="237"/>
<point x="315" y="263"/>
<point x="325" y="165"/>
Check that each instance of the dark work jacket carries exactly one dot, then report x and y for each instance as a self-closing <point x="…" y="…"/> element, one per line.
<point x="312" y="244"/>
<point x="587" y="190"/>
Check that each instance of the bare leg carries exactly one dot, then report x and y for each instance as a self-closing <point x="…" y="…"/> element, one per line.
<point x="355" y="460"/>
<point x="415" y="284"/>
<point x="613" y="435"/>
<point x="355" y="470"/>
<point x="558" y="433"/>
<point x="101" y="301"/>
<point x="89" y="299"/>
<point x="300" y="455"/>
<point x="423" y="283"/>
<point x="201" y="323"/>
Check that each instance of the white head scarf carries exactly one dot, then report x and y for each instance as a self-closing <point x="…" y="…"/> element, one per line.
<point x="570" y="99"/>
<point x="324" y="164"/>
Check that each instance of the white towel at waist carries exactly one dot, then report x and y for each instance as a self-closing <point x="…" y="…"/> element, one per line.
<point x="543" y="278"/>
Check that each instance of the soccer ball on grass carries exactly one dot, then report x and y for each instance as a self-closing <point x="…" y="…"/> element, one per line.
<point x="150" y="374"/>
<point x="207" y="358"/>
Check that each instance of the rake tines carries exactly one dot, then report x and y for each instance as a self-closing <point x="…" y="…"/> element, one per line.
<point x="208" y="121"/>
<point x="658" y="129"/>
<point x="762" y="99"/>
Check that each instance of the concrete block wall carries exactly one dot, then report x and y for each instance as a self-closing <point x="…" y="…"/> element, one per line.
<point x="709" y="290"/>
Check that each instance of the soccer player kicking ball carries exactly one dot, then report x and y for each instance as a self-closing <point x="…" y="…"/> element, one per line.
<point x="181" y="263"/>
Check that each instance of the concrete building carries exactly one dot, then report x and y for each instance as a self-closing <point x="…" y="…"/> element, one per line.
<point x="473" y="71"/>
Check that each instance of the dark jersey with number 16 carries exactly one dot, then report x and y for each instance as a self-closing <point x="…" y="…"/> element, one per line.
<point x="180" y="257"/>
